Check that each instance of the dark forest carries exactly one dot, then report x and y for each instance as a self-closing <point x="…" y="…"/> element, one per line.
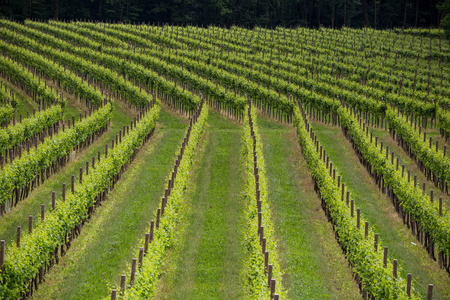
<point x="246" y="13"/>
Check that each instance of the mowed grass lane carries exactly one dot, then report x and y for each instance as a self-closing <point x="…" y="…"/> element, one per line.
<point x="379" y="212"/>
<point x="210" y="259"/>
<point x="106" y="245"/>
<point x="313" y="262"/>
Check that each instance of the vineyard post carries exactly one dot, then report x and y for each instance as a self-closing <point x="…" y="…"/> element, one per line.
<point x="64" y="192"/>
<point x="133" y="271"/>
<point x="394" y="269"/>
<point x="30" y="224"/>
<point x="376" y="242"/>
<point x="430" y="292"/>
<point x="113" y="294"/>
<point x="358" y="218"/>
<point x="259" y="221"/>
<point x="18" y="236"/>
<point x="272" y="288"/>
<point x="269" y="274"/>
<point x="42" y="212"/>
<point x="266" y="259"/>
<point x="2" y="255"/>
<point x="152" y="226"/>
<point x="352" y="203"/>
<point x="366" y="229"/>
<point x="385" y="257"/>
<point x="440" y="206"/>
<point x="122" y="284"/>
<point x="158" y="213"/>
<point x="408" y="284"/>
<point x="53" y="199"/>
<point x="147" y="239"/>
<point x="141" y="256"/>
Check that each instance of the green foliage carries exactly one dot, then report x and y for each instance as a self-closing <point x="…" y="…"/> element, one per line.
<point x="445" y="22"/>
<point x="6" y="114"/>
<point x="21" y="265"/>
<point x="58" y="73"/>
<point x="29" y="127"/>
<point x="84" y="68"/>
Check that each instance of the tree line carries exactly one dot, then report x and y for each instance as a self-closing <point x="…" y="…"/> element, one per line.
<point x="247" y="13"/>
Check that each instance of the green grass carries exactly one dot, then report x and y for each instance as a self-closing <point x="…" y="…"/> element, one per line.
<point x="107" y="242"/>
<point x="378" y="210"/>
<point x="314" y="265"/>
<point x="18" y="216"/>
<point x="210" y="259"/>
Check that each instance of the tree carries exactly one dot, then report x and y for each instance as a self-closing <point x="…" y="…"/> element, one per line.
<point x="444" y="7"/>
<point x="366" y="16"/>
<point x="56" y="8"/>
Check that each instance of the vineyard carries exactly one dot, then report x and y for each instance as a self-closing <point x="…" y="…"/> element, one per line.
<point x="179" y="162"/>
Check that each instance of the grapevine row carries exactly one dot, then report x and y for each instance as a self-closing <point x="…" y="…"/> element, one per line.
<point x="262" y="271"/>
